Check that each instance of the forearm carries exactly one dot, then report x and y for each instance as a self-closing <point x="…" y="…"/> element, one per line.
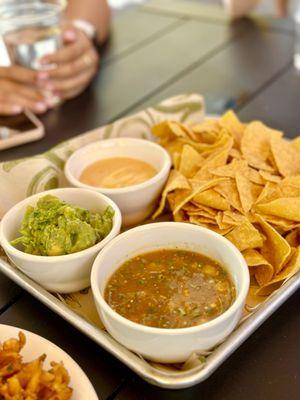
<point x="239" y="8"/>
<point x="94" y="11"/>
<point x="282" y="7"/>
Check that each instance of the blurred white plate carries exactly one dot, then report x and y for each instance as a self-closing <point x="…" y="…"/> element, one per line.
<point x="37" y="345"/>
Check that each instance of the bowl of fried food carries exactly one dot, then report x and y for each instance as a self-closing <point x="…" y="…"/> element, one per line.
<point x="34" y="368"/>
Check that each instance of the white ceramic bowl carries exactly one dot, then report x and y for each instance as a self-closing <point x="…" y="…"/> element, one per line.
<point x="136" y="202"/>
<point x="169" y="345"/>
<point x="67" y="273"/>
<point x="36" y="346"/>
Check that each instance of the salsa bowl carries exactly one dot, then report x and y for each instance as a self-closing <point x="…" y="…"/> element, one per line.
<point x="138" y="201"/>
<point x="63" y="273"/>
<point x="169" y="345"/>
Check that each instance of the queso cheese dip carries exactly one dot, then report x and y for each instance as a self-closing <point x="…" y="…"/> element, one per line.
<point x="117" y="172"/>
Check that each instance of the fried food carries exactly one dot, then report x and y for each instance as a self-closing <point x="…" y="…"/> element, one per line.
<point x="28" y="380"/>
<point x="242" y="181"/>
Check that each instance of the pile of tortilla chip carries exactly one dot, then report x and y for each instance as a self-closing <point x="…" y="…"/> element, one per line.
<point x="242" y="181"/>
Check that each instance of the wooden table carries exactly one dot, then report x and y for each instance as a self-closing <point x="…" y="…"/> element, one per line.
<point x="169" y="47"/>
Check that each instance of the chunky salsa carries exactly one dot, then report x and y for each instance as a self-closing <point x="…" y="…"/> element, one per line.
<point x="170" y="288"/>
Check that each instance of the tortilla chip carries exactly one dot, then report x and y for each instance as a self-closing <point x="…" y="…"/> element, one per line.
<point x="215" y="159"/>
<point x="275" y="249"/>
<point x="293" y="238"/>
<point x="228" y="190"/>
<point x="181" y="131"/>
<point x="197" y="221"/>
<point x="163" y="132"/>
<point x="245" y="236"/>
<point x="222" y="232"/>
<point x="197" y="187"/>
<point x="177" y="128"/>
<point x="208" y="148"/>
<point x="270" y="177"/>
<point x="263" y="270"/>
<point x="220" y="223"/>
<point x="287" y="272"/>
<point x="230" y="170"/>
<point x="176" y="157"/>
<point x="235" y="154"/>
<point x="292" y="181"/>
<point x="233" y="217"/>
<point x="254" y="176"/>
<point x="190" y="162"/>
<point x="253" y="257"/>
<point x="296" y="143"/>
<point x="212" y="199"/>
<point x="271" y="191"/>
<point x="208" y="210"/>
<point x="207" y="131"/>
<point x="176" y="181"/>
<point x="244" y="187"/>
<point x="286" y="157"/>
<point x="202" y="220"/>
<point x="230" y="121"/>
<point x="255" y="144"/>
<point x="191" y="209"/>
<point x="285" y="207"/>
<point x="289" y="190"/>
<point x="281" y="224"/>
<point x="180" y="217"/>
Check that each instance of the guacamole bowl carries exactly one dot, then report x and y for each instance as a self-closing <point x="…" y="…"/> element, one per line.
<point x="58" y="273"/>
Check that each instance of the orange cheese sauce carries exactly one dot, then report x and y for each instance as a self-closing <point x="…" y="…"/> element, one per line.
<point x="117" y="172"/>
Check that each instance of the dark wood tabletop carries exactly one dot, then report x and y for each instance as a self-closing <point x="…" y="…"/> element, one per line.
<point x="163" y="48"/>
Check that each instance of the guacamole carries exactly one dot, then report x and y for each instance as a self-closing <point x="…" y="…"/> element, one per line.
<point x="55" y="228"/>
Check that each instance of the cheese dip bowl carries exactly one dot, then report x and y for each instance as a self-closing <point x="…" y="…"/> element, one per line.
<point x="137" y="201"/>
<point x="160" y="344"/>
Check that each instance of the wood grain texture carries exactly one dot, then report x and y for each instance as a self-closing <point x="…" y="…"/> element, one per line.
<point x="278" y="104"/>
<point x="214" y="12"/>
<point x="237" y="72"/>
<point x="131" y="28"/>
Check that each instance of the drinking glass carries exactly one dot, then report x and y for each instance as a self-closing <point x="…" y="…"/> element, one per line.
<point x="31" y="30"/>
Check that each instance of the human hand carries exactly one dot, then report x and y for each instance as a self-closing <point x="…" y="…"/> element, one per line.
<point x="18" y="91"/>
<point x="76" y="64"/>
<point x="282" y="7"/>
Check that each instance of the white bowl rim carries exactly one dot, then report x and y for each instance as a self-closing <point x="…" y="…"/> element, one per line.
<point x="56" y="347"/>
<point x="166" y="331"/>
<point x="127" y="189"/>
<point x="117" y="221"/>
